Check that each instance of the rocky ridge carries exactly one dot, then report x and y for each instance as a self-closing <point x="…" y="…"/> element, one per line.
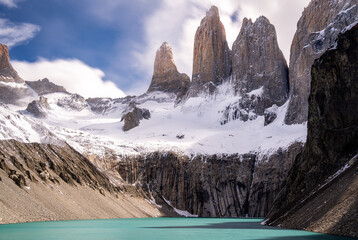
<point x="44" y="86"/>
<point x="317" y="30"/>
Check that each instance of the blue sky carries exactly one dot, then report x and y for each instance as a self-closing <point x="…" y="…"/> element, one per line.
<point x="116" y="40"/>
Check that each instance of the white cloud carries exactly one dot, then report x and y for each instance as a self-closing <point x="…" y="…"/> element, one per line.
<point x="73" y="74"/>
<point x="177" y="21"/>
<point x="12" y="34"/>
<point x="9" y="3"/>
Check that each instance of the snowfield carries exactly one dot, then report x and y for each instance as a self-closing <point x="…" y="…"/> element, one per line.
<point x="192" y="127"/>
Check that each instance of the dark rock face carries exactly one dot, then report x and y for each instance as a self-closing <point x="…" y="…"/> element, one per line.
<point x="212" y="186"/>
<point x="212" y="56"/>
<point x="332" y="138"/>
<point x="44" y="86"/>
<point x="38" y="107"/>
<point x="166" y="77"/>
<point x="7" y="72"/>
<point x="317" y="30"/>
<point x="269" y="177"/>
<point x="132" y="118"/>
<point x="258" y="63"/>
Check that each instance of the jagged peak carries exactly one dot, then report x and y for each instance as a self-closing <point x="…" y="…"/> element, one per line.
<point x="165" y="47"/>
<point x="262" y="19"/>
<point x="212" y="14"/>
<point x="259" y="21"/>
<point x="164" y="60"/>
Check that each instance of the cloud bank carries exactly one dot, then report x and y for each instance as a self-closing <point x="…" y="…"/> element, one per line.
<point x="12" y="34"/>
<point x="73" y="74"/>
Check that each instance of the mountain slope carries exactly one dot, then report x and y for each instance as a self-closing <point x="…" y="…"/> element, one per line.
<point x="48" y="182"/>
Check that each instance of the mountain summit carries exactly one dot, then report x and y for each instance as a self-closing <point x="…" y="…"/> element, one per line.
<point x="258" y="66"/>
<point x="166" y="77"/>
<point x="212" y="56"/>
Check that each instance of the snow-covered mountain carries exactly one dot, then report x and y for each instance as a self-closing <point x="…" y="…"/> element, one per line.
<point x="225" y="131"/>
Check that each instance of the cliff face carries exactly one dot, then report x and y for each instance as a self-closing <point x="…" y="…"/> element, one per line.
<point x="258" y="64"/>
<point x="332" y="142"/>
<point x="166" y="77"/>
<point x="212" y="186"/>
<point x="212" y="56"/>
<point x="317" y="30"/>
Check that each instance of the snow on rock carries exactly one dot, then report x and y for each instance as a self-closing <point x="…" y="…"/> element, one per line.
<point x="180" y="212"/>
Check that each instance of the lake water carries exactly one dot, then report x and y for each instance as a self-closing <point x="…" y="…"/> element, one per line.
<point x="155" y="229"/>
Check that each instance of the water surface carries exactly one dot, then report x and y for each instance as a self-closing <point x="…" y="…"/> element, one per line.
<point x="155" y="229"/>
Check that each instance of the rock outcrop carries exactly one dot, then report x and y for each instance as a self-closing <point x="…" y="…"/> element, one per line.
<point x="212" y="56"/>
<point x="132" y="118"/>
<point x="166" y="77"/>
<point x="73" y="102"/>
<point x="38" y="107"/>
<point x="212" y="186"/>
<point x="44" y="86"/>
<point x="332" y="142"/>
<point x="7" y="72"/>
<point x="317" y="30"/>
<point x="259" y="69"/>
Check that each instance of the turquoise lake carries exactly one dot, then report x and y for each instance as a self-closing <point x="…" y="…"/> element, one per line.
<point x="154" y="229"/>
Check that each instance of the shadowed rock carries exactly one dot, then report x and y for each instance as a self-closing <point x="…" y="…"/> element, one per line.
<point x="317" y="30"/>
<point x="332" y="142"/>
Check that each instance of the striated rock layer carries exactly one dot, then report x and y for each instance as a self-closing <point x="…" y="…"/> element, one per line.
<point x="332" y="142"/>
<point x="259" y="69"/>
<point x="317" y="30"/>
<point x="212" y="186"/>
<point x="166" y="77"/>
<point x="212" y="56"/>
